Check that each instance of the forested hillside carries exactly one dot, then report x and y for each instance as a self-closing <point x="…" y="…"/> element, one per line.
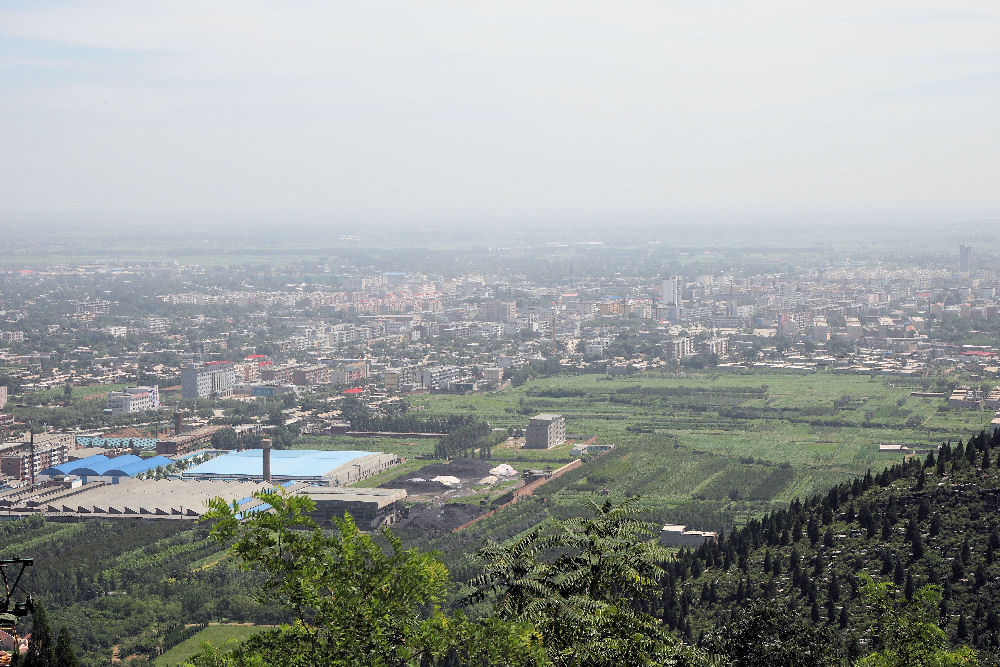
<point x="930" y="521"/>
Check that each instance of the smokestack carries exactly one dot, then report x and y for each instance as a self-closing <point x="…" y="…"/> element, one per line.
<point x="178" y="427"/>
<point x="32" y="461"/>
<point x="266" y="444"/>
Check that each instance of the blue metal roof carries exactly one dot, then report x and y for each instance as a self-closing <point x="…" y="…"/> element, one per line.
<point x="295" y="463"/>
<point x="98" y="468"/>
<point x="136" y="467"/>
<point x="64" y="468"/>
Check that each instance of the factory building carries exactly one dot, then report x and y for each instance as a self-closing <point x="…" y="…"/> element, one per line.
<point x="545" y="431"/>
<point x="328" y="468"/>
<point x="100" y="467"/>
<point x="370" y="508"/>
<point x="162" y="499"/>
<point x="673" y="535"/>
<point x="183" y="443"/>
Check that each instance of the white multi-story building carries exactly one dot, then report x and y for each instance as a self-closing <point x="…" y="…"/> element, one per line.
<point x="213" y="379"/>
<point x="438" y="377"/>
<point x="133" y="399"/>
<point x="672" y="291"/>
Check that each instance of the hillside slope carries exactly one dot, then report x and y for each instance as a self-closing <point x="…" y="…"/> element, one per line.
<point x="924" y="521"/>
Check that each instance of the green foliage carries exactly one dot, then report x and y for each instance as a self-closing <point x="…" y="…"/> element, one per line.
<point x="352" y="601"/>
<point x="578" y="582"/>
<point x="765" y="634"/>
<point x="907" y="632"/>
<point x="64" y="655"/>
<point x="41" y="647"/>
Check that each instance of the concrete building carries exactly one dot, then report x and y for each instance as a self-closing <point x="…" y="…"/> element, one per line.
<point x="146" y="499"/>
<point x="716" y="346"/>
<point x="306" y="376"/>
<point x="370" y="508"/>
<point x="492" y="375"/>
<point x="678" y="348"/>
<point x="183" y="443"/>
<point x="349" y="373"/>
<point x="438" y="377"/>
<point x="679" y="536"/>
<point x="498" y="311"/>
<point x="16" y="458"/>
<point x="213" y="379"/>
<point x="671" y="291"/>
<point x="545" y="431"/>
<point x="965" y="258"/>
<point x="132" y="399"/>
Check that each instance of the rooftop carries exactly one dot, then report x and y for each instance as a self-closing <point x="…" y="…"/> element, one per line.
<point x="304" y="463"/>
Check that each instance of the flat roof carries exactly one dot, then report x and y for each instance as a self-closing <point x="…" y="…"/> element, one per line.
<point x="305" y="463"/>
<point x="349" y="495"/>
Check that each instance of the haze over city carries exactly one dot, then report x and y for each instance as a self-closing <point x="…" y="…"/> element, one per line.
<point x="420" y="111"/>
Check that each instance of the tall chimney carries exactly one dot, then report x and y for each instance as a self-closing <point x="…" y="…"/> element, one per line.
<point x="31" y="463"/>
<point x="266" y="444"/>
<point x="178" y="417"/>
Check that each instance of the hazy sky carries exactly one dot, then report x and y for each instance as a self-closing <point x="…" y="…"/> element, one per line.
<point x="419" y="109"/>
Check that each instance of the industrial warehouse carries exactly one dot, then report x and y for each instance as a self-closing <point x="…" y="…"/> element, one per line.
<point x="330" y="468"/>
<point x="122" y="487"/>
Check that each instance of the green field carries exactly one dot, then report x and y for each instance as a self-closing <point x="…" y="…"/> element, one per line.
<point x="712" y="449"/>
<point x="219" y="636"/>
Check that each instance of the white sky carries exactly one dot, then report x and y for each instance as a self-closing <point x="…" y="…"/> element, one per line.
<point x="411" y="110"/>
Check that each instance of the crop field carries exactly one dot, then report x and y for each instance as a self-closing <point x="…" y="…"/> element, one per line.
<point x="221" y="637"/>
<point x="712" y="449"/>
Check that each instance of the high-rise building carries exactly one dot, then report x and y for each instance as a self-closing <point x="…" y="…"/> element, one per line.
<point x="672" y="291"/>
<point x="965" y="258"/>
<point x="213" y="379"/>
<point x="498" y="311"/>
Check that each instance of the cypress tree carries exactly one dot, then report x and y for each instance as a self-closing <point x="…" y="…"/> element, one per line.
<point x="918" y="547"/>
<point x="40" y="645"/>
<point x="65" y="657"/>
<point x="935" y="527"/>
<point x="813" y="530"/>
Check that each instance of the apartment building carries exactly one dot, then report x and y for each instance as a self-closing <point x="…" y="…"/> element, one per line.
<point x="545" y="431"/>
<point x="132" y="399"/>
<point x="213" y="379"/>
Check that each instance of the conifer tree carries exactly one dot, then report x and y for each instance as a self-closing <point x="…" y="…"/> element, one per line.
<point x="40" y="645"/>
<point x="64" y="655"/>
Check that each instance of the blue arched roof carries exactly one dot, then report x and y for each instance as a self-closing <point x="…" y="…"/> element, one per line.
<point x="136" y="467"/>
<point x="65" y="468"/>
